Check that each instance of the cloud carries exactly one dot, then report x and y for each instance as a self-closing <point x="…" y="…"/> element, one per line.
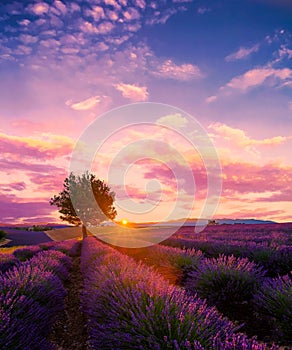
<point x="284" y="52"/>
<point x="184" y="72"/>
<point x="203" y="10"/>
<point x="46" y="182"/>
<point x="84" y="105"/>
<point x="88" y="27"/>
<point x="28" y="39"/>
<point x="60" y="6"/>
<point x="280" y="196"/>
<point x="161" y="17"/>
<point x="258" y="76"/>
<point x="131" y="14"/>
<point x="211" y="99"/>
<point x="13" y="209"/>
<point x="133" y="92"/>
<point x="237" y="137"/>
<point x="258" y="213"/>
<point x="173" y="120"/>
<point x="241" y="53"/>
<point x="11" y="166"/>
<point x="245" y="178"/>
<point x="44" y="147"/>
<point x="140" y="3"/>
<point x="39" y="8"/>
<point x="17" y="186"/>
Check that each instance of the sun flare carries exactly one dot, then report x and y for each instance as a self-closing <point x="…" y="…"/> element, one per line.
<point x="124" y="221"/>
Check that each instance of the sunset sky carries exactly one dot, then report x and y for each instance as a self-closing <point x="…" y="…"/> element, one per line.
<point x="226" y="63"/>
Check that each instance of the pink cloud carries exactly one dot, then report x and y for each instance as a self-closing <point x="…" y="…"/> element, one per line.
<point x="241" y="53"/>
<point x="243" y="178"/>
<point x="169" y="70"/>
<point x="39" y="8"/>
<point x="258" y="76"/>
<point x="211" y="99"/>
<point x="13" y="209"/>
<point x="239" y="138"/>
<point x="47" y="147"/>
<point x="11" y="166"/>
<point x="87" y="104"/>
<point x="133" y="92"/>
<point x="52" y="182"/>
<point x="131" y="14"/>
<point x="135" y="193"/>
<point x="17" y="186"/>
<point x="60" y="6"/>
<point x="140" y="3"/>
<point x="259" y="213"/>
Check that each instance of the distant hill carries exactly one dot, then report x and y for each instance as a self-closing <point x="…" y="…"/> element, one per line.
<point x="54" y="225"/>
<point x="193" y="222"/>
<point x="245" y="221"/>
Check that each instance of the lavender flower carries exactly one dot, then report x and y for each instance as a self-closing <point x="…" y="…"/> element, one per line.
<point x="69" y="247"/>
<point x="274" y="299"/>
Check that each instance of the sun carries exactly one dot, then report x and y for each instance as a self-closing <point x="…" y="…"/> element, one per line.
<point x="124" y="221"/>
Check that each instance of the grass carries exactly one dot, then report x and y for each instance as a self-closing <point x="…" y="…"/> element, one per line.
<point x="10" y="250"/>
<point x="62" y="234"/>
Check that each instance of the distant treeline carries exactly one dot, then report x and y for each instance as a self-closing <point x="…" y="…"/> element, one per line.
<point x="34" y="228"/>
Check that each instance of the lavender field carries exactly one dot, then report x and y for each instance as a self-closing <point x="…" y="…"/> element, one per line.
<point x="228" y="288"/>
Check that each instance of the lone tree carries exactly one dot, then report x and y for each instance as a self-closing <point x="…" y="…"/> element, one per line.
<point x="85" y="200"/>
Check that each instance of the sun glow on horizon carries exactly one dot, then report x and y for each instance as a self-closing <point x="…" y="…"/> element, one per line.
<point x="124" y="221"/>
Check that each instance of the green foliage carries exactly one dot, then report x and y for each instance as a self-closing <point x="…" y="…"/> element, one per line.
<point x="3" y="234"/>
<point x="85" y="199"/>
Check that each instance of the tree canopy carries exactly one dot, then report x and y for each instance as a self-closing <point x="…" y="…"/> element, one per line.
<point x="85" y="200"/>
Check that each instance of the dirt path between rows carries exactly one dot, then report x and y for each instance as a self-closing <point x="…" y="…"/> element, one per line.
<point x="70" y="332"/>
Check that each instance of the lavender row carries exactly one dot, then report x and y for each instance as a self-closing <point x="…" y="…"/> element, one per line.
<point x="179" y="262"/>
<point x="31" y="299"/>
<point x="277" y="261"/>
<point x="129" y="306"/>
<point x="8" y="261"/>
<point x="269" y="235"/>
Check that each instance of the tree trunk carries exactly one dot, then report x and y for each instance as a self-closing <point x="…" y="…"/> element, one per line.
<point x="84" y="231"/>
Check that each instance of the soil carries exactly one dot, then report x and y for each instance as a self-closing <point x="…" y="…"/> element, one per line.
<point x="70" y="331"/>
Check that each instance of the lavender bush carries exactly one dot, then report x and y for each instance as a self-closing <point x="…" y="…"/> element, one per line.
<point x="274" y="299"/>
<point x="40" y="285"/>
<point x="26" y="253"/>
<point x="23" y="323"/>
<point x="177" y="261"/>
<point x="8" y="261"/>
<point x="69" y="247"/>
<point x="226" y="282"/>
<point x="48" y="261"/>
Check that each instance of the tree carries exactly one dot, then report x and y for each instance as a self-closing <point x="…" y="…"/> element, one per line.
<point x="85" y="200"/>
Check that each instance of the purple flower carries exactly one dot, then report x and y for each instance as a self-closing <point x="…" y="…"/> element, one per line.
<point x="274" y="299"/>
